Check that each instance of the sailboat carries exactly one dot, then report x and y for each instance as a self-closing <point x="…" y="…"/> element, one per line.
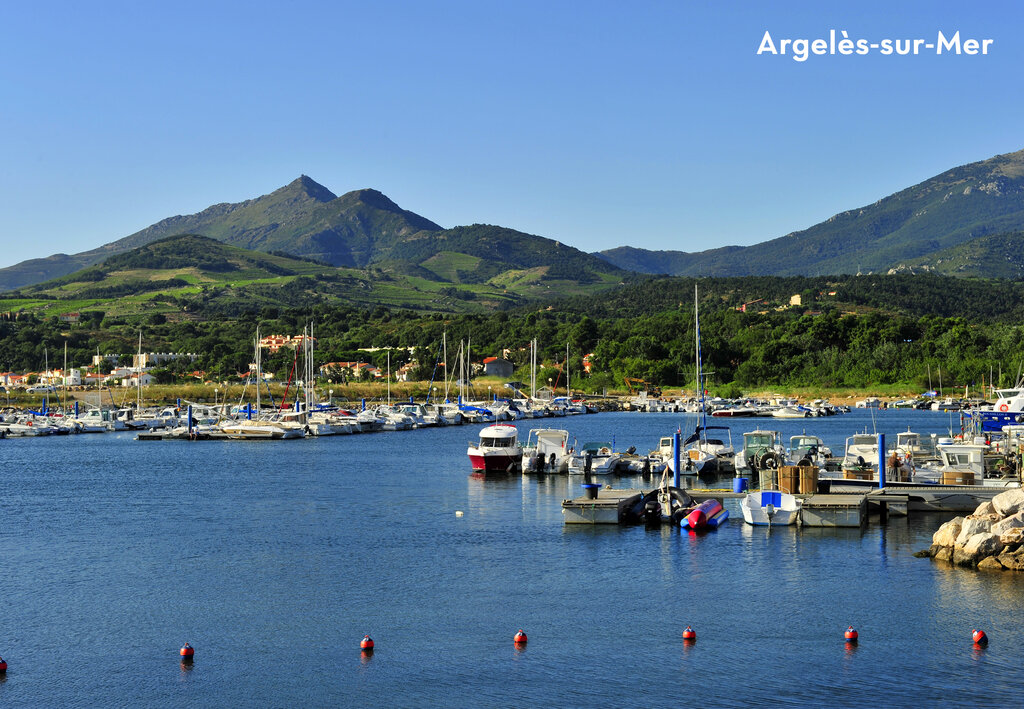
<point x="259" y="428"/>
<point x="706" y="454"/>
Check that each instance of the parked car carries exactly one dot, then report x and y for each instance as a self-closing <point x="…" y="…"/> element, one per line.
<point x="42" y="389"/>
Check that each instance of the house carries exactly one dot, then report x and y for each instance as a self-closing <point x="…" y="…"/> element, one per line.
<point x="796" y="300"/>
<point x="495" y="367"/>
<point x="276" y="342"/>
<point x="143" y="379"/>
<point x="405" y="372"/>
<point x="70" y="317"/>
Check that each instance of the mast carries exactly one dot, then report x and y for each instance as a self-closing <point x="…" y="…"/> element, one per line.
<point x="700" y="382"/>
<point x="259" y="371"/>
<point x="138" y="376"/>
<point x="444" y="346"/>
<point x="64" y="389"/>
<point x="567" y="393"/>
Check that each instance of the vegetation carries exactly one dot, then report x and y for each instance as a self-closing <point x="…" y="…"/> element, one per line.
<point x="880" y="332"/>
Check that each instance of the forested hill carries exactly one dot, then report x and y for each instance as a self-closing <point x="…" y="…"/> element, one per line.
<point x="905" y="295"/>
<point x="913" y="226"/>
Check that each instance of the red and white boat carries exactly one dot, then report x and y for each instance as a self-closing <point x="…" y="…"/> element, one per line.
<point x="498" y="450"/>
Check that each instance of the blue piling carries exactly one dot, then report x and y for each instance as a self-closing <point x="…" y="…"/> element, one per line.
<point x="881" y="461"/>
<point x="676" y="459"/>
<point x="189" y="413"/>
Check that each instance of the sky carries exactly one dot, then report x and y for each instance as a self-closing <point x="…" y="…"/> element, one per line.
<point x="600" y="124"/>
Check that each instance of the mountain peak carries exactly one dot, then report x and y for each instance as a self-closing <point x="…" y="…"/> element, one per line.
<point x="309" y="187"/>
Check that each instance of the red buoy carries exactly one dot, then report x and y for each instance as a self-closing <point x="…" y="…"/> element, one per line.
<point x="3" y="665"/>
<point x="187" y="653"/>
<point x="979" y="637"/>
<point x="366" y="643"/>
<point x="850" y="635"/>
<point x="689" y="633"/>
<point x="520" y="637"/>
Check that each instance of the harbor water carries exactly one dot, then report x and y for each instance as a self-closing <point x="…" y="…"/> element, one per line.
<point x="274" y="559"/>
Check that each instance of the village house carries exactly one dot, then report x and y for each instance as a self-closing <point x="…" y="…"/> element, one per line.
<point x="495" y="367"/>
<point x="273" y="343"/>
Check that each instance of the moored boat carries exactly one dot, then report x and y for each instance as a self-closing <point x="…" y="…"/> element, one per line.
<point x="497" y="451"/>
<point x="772" y="508"/>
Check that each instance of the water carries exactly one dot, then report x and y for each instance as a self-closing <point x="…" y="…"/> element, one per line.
<point x="273" y="559"/>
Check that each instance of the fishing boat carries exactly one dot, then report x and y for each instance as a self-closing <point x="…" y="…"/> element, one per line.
<point x="547" y="451"/>
<point x="497" y="451"/>
<point x="770" y="508"/>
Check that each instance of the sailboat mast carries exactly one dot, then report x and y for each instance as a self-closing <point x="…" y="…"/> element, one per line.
<point x="567" y="392"/>
<point x="700" y="382"/>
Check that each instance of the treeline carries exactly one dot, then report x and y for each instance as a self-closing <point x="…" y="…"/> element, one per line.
<point x="872" y="331"/>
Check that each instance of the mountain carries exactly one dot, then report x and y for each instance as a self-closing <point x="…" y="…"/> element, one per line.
<point x="356" y="230"/>
<point x="958" y="206"/>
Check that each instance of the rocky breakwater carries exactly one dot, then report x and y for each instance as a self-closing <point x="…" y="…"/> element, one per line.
<point x="990" y="538"/>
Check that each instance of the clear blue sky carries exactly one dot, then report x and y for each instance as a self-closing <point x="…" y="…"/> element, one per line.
<point x="600" y="124"/>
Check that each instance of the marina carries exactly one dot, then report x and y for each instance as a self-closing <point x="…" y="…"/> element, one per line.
<point x="314" y="545"/>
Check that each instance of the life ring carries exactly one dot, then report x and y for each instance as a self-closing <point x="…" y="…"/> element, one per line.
<point x="1004" y="407"/>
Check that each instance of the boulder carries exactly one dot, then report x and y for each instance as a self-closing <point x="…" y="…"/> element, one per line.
<point x="990" y="562"/>
<point x="945" y="536"/>
<point x="1014" y="562"/>
<point x="944" y="554"/>
<point x="972" y="525"/>
<point x="978" y="546"/>
<point x="985" y="508"/>
<point x="1009" y="503"/>
<point x="1011" y="522"/>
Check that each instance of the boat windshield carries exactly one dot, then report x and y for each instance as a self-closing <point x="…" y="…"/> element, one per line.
<point x="502" y="442"/>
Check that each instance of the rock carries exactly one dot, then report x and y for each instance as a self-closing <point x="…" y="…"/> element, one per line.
<point x="1009" y="503"/>
<point x="944" y="554"/>
<point x="985" y="508"/>
<point x="926" y="553"/>
<point x="1011" y="522"/>
<point x="1014" y="562"/>
<point x="978" y="546"/>
<point x="945" y="536"/>
<point x="990" y="562"/>
<point x="972" y="525"/>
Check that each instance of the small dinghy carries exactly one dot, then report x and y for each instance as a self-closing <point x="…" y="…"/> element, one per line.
<point x="771" y="508"/>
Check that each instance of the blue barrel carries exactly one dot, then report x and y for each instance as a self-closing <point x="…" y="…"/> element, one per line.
<point x="739" y="484"/>
<point x="590" y="489"/>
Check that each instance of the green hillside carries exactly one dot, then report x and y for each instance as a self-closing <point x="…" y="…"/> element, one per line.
<point x="196" y="277"/>
<point x="958" y="206"/>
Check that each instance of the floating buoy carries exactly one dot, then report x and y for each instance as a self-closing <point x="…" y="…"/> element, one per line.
<point x="520" y="637"/>
<point x="689" y="633"/>
<point x="979" y="637"/>
<point x="3" y="665"/>
<point x="458" y="513"/>
<point x="366" y="643"/>
<point x="187" y="653"/>
<point x="850" y="635"/>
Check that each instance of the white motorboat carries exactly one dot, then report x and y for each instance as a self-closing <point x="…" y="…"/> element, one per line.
<point x="594" y="458"/>
<point x="771" y="508"/>
<point x="498" y="450"/>
<point x="546" y="451"/>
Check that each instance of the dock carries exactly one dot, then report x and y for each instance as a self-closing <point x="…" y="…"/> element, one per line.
<point x="818" y="510"/>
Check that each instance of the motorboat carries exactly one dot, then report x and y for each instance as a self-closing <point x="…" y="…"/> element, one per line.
<point x="546" y="451"/>
<point x="497" y="451"/>
<point x="810" y="450"/>
<point x="770" y="508"/>
<point x="763" y="449"/>
<point x="860" y="461"/>
<point x="594" y="458"/>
